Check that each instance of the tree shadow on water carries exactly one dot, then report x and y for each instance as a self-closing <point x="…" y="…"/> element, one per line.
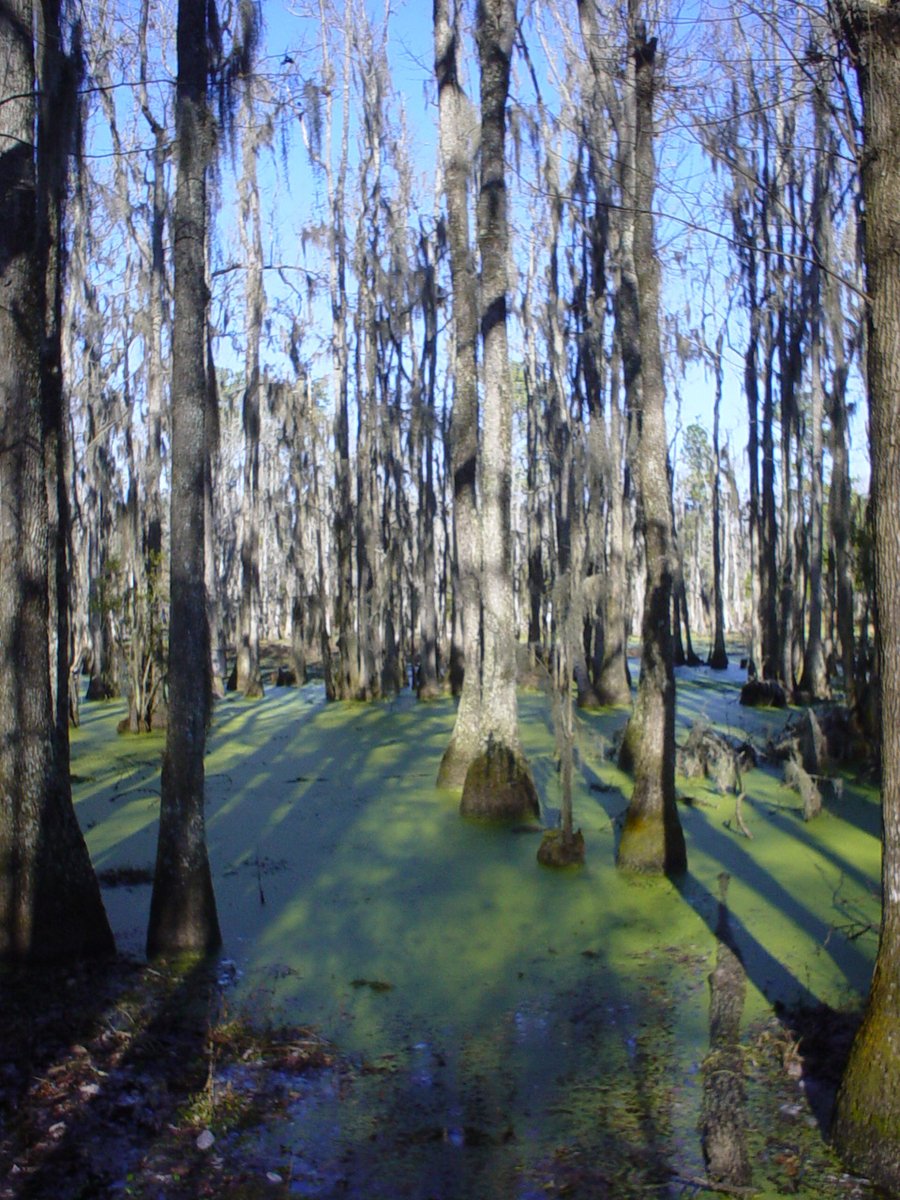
<point x="569" y="1097"/>
<point x="769" y="974"/>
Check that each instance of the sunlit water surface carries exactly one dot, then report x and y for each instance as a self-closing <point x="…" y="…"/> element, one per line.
<point x="504" y="1029"/>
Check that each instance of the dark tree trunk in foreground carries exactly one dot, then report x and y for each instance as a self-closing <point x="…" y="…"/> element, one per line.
<point x="50" y="906"/>
<point x="183" y="909"/>
<point x="867" y="1119"/>
<point x="652" y="838"/>
<point x="453" y="106"/>
<point x="498" y="782"/>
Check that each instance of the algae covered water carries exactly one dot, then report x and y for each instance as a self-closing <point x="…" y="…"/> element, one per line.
<point x="503" y="1030"/>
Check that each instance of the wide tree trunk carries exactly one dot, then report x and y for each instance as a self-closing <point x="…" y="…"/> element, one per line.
<point x="183" y="914"/>
<point x="867" y="1119"/>
<point x="455" y="157"/>
<point x="611" y="682"/>
<point x="50" y="906"/>
<point x="652" y="838"/>
<point x="498" y="783"/>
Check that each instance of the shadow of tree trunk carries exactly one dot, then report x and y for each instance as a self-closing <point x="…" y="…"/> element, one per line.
<point x="723" y="1122"/>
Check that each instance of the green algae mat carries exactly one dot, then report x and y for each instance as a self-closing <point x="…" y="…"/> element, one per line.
<point x="504" y="1030"/>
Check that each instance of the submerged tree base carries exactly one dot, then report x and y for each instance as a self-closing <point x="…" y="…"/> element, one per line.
<point x="652" y="845"/>
<point x="454" y="765"/>
<point x="557" y="850"/>
<point x="499" y="787"/>
<point x="866" y="1128"/>
<point x="763" y="693"/>
<point x="427" y="692"/>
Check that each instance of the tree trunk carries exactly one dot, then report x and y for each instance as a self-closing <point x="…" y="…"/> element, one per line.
<point x="343" y="684"/>
<point x="50" y="906"/>
<point x="751" y="392"/>
<point x="455" y="158"/>
<point x="498" y="782"/>
<point x="867" y="1119"/>
<point x="147" y="650"/>
<point x="814" y="679"/>
<point x="183" y="914"/>
<point x="768" y="531"/>
<point x="611" y="682"/>
<point x="839" y="499"/>
<point x="718" y="657"/>
<point x="428" y="685"/>
<point x="249" y="676"/>
<point x="652" y="838"/>
<point x="535" y="457"/>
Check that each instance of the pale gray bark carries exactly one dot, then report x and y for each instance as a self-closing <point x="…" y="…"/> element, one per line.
<point x="498" y="782"/>
<point x="457" y="137"/>
<point x="652" y="838"/>
<point x="610" y="664"/>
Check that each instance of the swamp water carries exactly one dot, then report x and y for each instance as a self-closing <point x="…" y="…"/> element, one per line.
<point x="503" y="1030"/>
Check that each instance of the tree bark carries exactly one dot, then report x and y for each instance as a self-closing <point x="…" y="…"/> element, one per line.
<point x="342" y="682"/>
<point x="652" y="838"/>
<point x="498" y="783"/>
<point x="768" y="529"/>
<point x="840" y="494"/>
<point x="814" y="679"/>
<point x="456" y="163"/>
<point x="183" y="916"/>
<point x="718" y="657"/>
<point x="50" y="906"/>
<point x="428" y="683"/>
<point x="867" y="1119"/>
<point x="611" y="682"/>
<point x="249" y="676"/>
